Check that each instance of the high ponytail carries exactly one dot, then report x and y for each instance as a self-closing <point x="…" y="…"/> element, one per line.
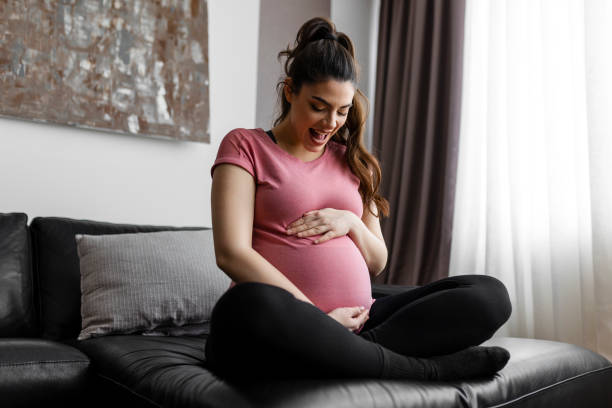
<point x="320" y="53"/>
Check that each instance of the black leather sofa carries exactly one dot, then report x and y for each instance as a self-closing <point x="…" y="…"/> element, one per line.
<point x="42" y="363"/>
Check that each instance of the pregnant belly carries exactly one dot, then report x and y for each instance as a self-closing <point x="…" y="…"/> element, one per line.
<point x="332" y="274"/>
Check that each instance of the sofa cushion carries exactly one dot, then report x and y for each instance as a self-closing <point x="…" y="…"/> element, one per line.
<point x="168" y="371"/>
<point x="152" y="282"/>
<point x="56" y="263"/>
<point x="36" y="372"/>
<point x="171" y="372"/>
<point x="17" y="311"/>
<point x="545" y="373"/>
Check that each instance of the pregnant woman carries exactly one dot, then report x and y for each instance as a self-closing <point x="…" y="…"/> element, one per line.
<point x="295" y="213"/>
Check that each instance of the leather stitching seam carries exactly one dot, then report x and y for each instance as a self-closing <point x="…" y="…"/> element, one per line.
<point x="43" y="362"/>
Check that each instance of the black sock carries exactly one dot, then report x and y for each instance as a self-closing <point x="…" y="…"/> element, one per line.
<point x="472" y="362"/>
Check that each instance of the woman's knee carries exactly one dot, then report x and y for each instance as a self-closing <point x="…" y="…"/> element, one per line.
<point x="491" y="298"/>
<point x="248" y="293"/>
<point x="249" y="304"/>
<point x="243" y="322"/>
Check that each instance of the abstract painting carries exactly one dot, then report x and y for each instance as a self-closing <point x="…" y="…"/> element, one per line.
<point x="129" y="66"/>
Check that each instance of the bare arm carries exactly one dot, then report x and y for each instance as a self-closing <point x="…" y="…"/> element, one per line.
<point x="368" y="237"/>
<point x="232" y="204"/>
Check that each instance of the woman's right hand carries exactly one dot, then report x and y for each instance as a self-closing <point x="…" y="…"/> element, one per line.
<point x="350" y="317"/>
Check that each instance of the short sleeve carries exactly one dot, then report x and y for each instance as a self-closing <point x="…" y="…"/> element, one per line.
<point x="234" y="150"/>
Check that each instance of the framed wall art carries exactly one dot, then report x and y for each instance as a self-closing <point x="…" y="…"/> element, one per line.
<point x="128" y="66"/>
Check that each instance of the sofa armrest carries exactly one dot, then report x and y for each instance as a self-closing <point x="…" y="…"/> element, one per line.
<point x="382" y="290"/>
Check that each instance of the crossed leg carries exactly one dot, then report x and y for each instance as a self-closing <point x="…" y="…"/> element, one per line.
<point x="260" y="330"/>
<point x="442" y="317"/>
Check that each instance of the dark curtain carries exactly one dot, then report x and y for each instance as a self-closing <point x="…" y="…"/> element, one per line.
<point x="416" y="132"/>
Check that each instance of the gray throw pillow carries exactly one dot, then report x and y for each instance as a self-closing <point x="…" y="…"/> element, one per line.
<point x="155" y="283"/>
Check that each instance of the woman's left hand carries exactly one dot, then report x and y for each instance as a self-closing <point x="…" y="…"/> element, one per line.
<point x="330" y="222"/>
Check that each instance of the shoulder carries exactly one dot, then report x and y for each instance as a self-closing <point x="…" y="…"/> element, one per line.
<point x="243" y="135"/>
<point x="242" y="147"/>
<point x="245" y="140"/>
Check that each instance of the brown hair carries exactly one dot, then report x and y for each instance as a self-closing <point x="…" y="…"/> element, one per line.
<point x="321" y="53"/>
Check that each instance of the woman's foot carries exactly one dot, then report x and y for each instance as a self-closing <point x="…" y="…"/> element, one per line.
<point x="472" y="362"/>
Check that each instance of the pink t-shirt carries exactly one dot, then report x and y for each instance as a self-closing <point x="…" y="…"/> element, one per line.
<point x="332" y="274"/>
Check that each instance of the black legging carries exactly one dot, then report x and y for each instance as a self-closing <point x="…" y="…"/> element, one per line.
<point x="260" y="330"/>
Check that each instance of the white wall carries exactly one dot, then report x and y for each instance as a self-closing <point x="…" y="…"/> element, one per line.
<point x="280" y="21"/>
<point x="50" y="170"/>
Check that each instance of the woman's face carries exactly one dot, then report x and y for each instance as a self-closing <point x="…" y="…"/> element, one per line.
<point x="318" y="111"/>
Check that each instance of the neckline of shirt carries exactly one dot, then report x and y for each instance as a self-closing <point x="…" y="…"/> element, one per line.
<point x="283" y="151"/>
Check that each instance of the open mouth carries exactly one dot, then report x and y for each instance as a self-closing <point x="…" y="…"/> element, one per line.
<point x="319" y="137"/>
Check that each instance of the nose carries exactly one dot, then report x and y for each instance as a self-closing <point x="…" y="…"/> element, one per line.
<point x="331" y="119"/>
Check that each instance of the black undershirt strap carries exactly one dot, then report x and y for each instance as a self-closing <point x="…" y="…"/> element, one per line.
<point x="269" y="133"/>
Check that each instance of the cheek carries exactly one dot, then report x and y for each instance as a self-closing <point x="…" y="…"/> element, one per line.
<point x="307" y="115"/>
<point x="313" y="118"/>
<point x="300" y="117"/>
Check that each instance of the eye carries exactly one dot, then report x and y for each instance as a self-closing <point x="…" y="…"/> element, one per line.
<point x="343" y="113"/>
<point x="316" y="108"/>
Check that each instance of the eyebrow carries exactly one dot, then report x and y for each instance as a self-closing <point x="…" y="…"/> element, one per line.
<point x="329" y="104"/>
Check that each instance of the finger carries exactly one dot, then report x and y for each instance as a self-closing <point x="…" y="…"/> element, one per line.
<point x="295" y="223"/>
<point x="363" y="318"/>
<point x="313" y="231"/>
<point x="299" y="228"/>
<point x="362" y="311"/>
<point x="357" y="322"/>
<point x="302" y="227"/>
<point x="356" y="310"/>
<point x="311" y="217"/>
<point x="325" y="237"/>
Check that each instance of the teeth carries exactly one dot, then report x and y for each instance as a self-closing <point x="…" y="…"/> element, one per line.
<point x="320" y="135"/>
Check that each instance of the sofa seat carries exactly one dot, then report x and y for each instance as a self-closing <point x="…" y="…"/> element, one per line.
<point x="171" y="372"/>
<point x="160" y="371"/>
<point x="36" y="372"/>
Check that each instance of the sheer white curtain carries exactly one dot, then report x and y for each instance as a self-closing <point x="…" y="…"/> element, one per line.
<point x="534" y="185"/>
